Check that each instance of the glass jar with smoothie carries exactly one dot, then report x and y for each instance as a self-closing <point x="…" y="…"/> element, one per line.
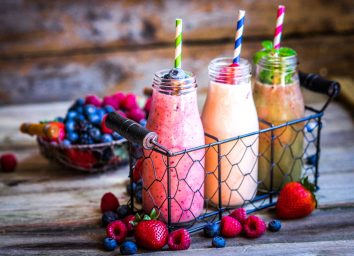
<point x="174" y="116"/>
<point x="278" y="100"/>
<point x="229" y="111"/>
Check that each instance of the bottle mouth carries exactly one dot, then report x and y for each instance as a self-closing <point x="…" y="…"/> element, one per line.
<point x="278" y="62"/>
<point x="174" y="86"/>
<point x="220" y="71"/>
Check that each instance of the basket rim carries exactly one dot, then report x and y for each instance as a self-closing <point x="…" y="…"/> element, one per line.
<point x="82" y="146"/>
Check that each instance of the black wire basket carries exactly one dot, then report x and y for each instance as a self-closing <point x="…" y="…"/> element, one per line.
<point x="183" y="205"/>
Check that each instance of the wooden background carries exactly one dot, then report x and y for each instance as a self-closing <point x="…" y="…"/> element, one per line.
<point x="59" y="50"/>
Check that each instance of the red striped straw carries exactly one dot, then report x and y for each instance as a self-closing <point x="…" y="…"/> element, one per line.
<point x="279" y="26"/>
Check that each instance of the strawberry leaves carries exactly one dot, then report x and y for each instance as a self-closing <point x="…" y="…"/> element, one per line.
<point x="154" y="215"/>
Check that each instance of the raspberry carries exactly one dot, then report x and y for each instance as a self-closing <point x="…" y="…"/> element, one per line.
<point x="179" y="240"/>
<point x="8" y="162"/>
<point x="127" y="223"/>
<point x="110" y="101"/>
<point x="109" y="202"/>
<point x="230" y="227"/>
<point x="129" y="102"/>
<point x="239" y="214"/>
<point x="117" y="231"/>
<point x="119" y="96"/>
<point x="254" y="227"/>
<point x="136" y="114"/>
<point x="104" y="128"/>
<point x="93" y="100"/>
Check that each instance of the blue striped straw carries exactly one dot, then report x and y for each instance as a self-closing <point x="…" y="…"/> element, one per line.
<point x="238" y="37"/>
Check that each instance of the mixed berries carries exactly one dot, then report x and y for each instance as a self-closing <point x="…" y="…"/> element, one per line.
<point x="152" y="234"/>
<point x="84" y="121"/>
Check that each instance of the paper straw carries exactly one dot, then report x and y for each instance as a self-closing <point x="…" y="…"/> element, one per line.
<point x="279" y="26"/>
<point x="178" y="44"/>
<point x="238" y="36"/>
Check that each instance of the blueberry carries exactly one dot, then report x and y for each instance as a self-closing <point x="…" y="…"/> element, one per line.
<point x="143" y="122"/>
<point x="218" y="242"/>
<point x="110" y="244"/>
<point x="123" y="211"/>
<point x="109" y="217"/>
<point x="70" y="125"/>
<point x="128" y="248"/>
<point x="177" y="73"/>
<point x="101" y="112"/>
<point x="71" y="114"/>
<point x="129" y="188"/>
<point x="94" y="119"/>
<point x="80" y="102"/>
<point x="66" y="143"/>
<point x="109" y="109"/>
<point x="212" y="230"/>
<point x="89" y="109"/>
<point x="72" y="136"/>
<point x="139" y="196"/>
<point x="139" y="185"/>
<point x="116" y="136"/>
<point x="311" y="160"/>
<point x="95" y="134"/>
<point x="274" y="225"/>
<point x="59" y="119"/>
<point x="80" y="117"/>
<point x="106" y="138"/>
<point x="79" y="110"/>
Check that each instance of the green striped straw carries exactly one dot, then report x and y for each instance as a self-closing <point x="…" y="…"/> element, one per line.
<point x="178" y="44"/>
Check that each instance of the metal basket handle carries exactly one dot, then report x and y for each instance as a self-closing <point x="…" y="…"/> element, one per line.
<point x="316" y="83"/>
<point x="131" y="130"/>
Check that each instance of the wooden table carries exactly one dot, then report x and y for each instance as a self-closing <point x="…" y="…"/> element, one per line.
<point x="45" y="209"/>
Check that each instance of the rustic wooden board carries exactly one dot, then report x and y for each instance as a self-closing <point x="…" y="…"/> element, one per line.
<point x="39" y="27"/>
<point x="67" y="77"/>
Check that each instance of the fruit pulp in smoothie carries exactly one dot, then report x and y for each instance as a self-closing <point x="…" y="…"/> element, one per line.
<point x="176" y="120"/>
<point x="229" y="111"/>
<point x="278" y="104"/>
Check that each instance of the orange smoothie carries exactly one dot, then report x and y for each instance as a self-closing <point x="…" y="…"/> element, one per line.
<point x="229" y="111"/>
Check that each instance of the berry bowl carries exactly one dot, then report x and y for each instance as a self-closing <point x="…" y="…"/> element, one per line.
<point x="87" y="158"/>
<point x="80" y="140"/>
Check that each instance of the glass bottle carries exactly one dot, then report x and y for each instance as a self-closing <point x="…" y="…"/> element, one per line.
<point x="278" y="100"/>
<point x="229" y="111"/>
<point x="174" y="116"/>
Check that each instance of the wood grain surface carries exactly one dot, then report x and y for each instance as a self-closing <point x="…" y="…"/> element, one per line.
<point x="37" y="26"/>
<point x="48" y="210"/>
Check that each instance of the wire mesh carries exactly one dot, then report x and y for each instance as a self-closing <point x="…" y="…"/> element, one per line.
<point x="195" y="186"/>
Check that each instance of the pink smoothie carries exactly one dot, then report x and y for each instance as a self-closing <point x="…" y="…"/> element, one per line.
<point x="176" y="120"/>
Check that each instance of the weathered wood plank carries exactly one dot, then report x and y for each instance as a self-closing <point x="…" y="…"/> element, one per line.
<point x="42" y="26"/>
<point x="70" y="238"/>
<point x="67" y="77"/>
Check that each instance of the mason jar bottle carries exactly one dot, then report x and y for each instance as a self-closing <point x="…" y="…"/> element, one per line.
<point x="229" y="111"/>
<point x="278" y="100"/>
<point x="174" y="116"/>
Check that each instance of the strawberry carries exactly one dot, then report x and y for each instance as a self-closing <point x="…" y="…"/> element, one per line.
<point x="150" y="233"/>
<point x="296" y="200"/>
